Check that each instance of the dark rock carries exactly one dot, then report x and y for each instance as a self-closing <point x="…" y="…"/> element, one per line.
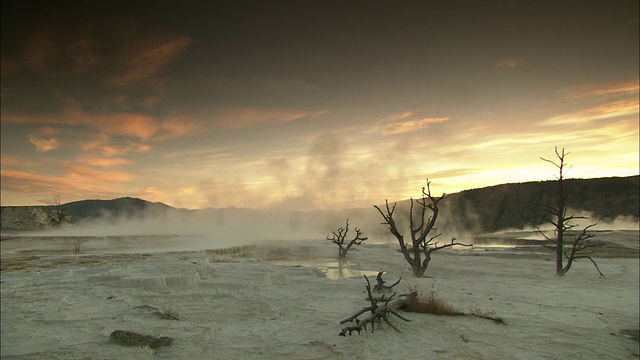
<point x="130" y="338"/>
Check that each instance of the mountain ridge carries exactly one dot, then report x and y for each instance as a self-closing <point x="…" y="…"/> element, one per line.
<point x="488" y="209"/>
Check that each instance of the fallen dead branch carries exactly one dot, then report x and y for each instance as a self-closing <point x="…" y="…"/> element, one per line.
<point x="381" y="307"/>
<point x="377" y="312"/>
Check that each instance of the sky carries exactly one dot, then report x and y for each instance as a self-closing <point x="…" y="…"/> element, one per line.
<point x="304" y="105"/>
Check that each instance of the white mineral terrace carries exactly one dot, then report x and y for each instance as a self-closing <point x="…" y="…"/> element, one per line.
<point x="285" y="300"/>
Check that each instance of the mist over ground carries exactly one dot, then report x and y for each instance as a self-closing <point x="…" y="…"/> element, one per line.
<point x="178" y="230"/>
<point x="612" y="203"/>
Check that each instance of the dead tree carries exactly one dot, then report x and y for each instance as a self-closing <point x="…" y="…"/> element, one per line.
<point x="418" y="252"/>
<point x="58" y="215"/>
<point x="380" y="286"/>
<point x="77" y="244"/>
<point x="339" y="238"/>
<point x="377" y="313"/>
<point x="581" y="247"/>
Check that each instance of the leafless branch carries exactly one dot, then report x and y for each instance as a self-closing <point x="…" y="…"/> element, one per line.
<point x="378" y="312"/>
<point x="563" y="224"/>
<point x="339" y="238"/>
<point x="422" y="220"/>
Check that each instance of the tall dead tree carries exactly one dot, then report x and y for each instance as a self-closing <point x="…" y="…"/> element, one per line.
<point x="580" y="246"/>
<point x="421" y="223"/>
<point x="58" y="215"/>
<point x="339" y="236"/>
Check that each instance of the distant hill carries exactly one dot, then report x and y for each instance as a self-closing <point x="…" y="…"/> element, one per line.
<point x="513" y="206"/>
<point x="489" y="209"/>
<point x="126" y="206"/>
<point x="39" y="217"/>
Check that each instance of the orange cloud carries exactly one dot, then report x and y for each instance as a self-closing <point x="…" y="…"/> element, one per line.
<point x="39" y="50"/>
<point x="102" y="162"/>
<point x="127" y="124"/>
<point x="604" y="111"/>
<point x="99" y="141"/>
<point x="132" y="125"/>
<point x="509" y="62"/>
<point x="57" y="43"/>
<point x="44" y="46"/>
<point x="81" y="174"/>
<point x="176" y="127"/>
<point x="27" y="182"/>
<point x="12" y="160"/>
<point x="591" y="91"/>
<point x="400" y="116"/>
<point x="402" y="123"/>
<point x="33" y="183"/>
<point x="77" y="184"/>
<point x="47" y="131"/>
<point x="147" y="128"/>
<point x="81" y="55"/>
<point x="140" y="126"/>
<point x="240" y="118"/>
<point x="102" y="144"/>
<point x="144" y="61"/>
<point x="150" y="101"/>
<point x="42" y="144"/>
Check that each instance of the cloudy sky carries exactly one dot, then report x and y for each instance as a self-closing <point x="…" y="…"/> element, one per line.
<point x="310" y="104"/>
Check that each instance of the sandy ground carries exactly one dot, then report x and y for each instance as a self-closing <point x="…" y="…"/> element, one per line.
<point x="285" y="301"/>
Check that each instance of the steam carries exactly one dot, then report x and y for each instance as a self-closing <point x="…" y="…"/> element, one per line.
<point x="178" y="229"/>
<point x="619" y="223"/>
<point x="169" y="229"/>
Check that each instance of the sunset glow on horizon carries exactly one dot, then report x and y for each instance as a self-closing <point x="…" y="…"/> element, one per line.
<point x="311" y="105"/>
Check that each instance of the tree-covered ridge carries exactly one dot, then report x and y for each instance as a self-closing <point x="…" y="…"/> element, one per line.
<point x="512" y="206"/>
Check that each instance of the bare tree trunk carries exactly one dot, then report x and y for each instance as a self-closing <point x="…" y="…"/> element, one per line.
<point x="420" y="225"/>
<point x="562" y="224"/>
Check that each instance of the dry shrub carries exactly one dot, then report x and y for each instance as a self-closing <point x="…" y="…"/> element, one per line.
<point x="429" y="304"/>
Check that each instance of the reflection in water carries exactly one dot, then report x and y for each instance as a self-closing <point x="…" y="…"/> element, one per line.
<point x="342" y="269"/>
<point x="332" y="269"/>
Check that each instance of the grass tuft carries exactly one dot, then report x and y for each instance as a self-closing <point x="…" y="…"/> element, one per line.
<point x="429" y="304"/>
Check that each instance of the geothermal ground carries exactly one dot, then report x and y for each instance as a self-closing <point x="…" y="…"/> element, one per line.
<point x="285" y="300"/>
